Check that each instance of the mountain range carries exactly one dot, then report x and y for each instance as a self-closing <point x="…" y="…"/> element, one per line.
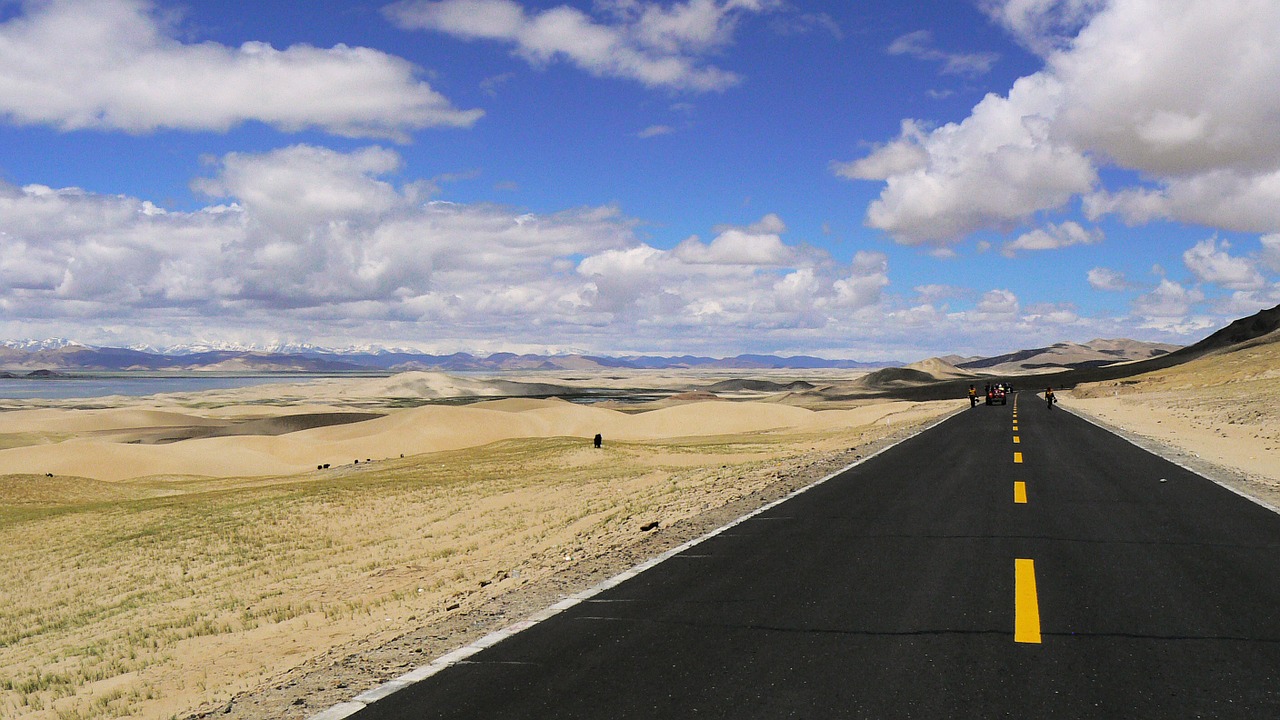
<point x="68" y="356"/>
<point x="63" y="355"/>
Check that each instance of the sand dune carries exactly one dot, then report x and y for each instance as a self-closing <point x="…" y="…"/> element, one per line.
<point x="940" y="368"/>
<point x="412" y="431"/>
<point x="86" y="421"/>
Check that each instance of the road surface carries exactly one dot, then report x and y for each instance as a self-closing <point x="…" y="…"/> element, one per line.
<point x="1012" y="562"/>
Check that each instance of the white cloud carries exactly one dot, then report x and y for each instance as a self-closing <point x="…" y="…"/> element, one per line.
<point x="997" y="167"/>
<point x="113" y="64"/>
<point x="919" y="45"/>
<point x="1175" y="88"/>
<point x="759" y="244"/>
<point x="1168" y="305"/>
<point x="295" y="188"/>
<point x="657" y="45"/>
<point x="1270" y="258"/>
<point x="1051" y="315"/>
<point x="1222" y="199"/>
<point x="865" y="284"/>
<point x="310" y="230"/>
<point x="1213" y="265"/>
<point x="1108" y="280"/>
<point x="1053" y="237"/>
<point x="1243" y="303"/>
<point x="308" y="242"/>
<point x="996" y="304"/>
<point x="1042" y="26"/>
<point x="934" y="294"/>
<point x="905" y="155"/>
<point x="1181" y="92"/>
<point x="655" y="131"/>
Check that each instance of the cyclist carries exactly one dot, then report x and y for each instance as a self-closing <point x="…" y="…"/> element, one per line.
<point x="1049" y="398"/>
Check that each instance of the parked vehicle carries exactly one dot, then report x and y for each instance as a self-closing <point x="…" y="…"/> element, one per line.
<point x="996" y="395"/>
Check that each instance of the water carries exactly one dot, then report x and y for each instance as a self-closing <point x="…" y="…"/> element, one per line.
<point x="62" y="388"/>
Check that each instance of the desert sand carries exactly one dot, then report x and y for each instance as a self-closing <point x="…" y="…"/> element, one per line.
<point x="120" y="444"/>
<point x="183" y="554"/>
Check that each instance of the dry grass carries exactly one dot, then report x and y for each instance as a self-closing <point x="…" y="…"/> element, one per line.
<point x="149" y="599"/>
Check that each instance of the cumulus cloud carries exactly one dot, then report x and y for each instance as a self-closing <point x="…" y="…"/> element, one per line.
<point x="657" y="45"/>
<point x="997" y="304"/>
<point x="1271" y="252"/>
<point x="905" y="155"/>
<point x="1210" y="263"/>
<point x="308" y="229"/>
<point x="295" y="188"/>
<point x="305" y="241"/>
<point x="114" y="64"/>
<point x="1180" y="92"/>
<point x="868" y="279"/>
<point x="1223" y="199"/>
<point x="1175" y="88"/>
<point x="1108" y="280"/>
<point x="919" y="44"/>
<point x="1042" y="26"/>
<point x="1168" y="305"/>
<point x="996" y="168"/>
<point x="1053" y="237"/>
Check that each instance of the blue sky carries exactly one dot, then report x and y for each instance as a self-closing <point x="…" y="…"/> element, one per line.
<point x="869" y="180"/>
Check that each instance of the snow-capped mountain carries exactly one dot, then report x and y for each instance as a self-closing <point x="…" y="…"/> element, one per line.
<point x="38" y="345"/>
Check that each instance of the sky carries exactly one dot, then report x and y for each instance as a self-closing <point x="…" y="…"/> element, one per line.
<point x="861" y="179"/>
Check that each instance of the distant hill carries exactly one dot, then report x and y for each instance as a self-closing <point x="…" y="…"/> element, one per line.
<point x="1262" y="326"/>
<point x="1259" y="330"/>
<point x="1068" y="356"/>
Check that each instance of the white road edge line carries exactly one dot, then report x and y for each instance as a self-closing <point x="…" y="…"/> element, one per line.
<point x="1154" y="449"/>
<point x="359" y="702"/>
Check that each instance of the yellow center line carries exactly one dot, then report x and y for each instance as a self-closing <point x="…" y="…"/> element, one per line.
<point x="1020" y="492"/>
<point x="1017" y="440"/>
<point x="1026" y="618"/>
<point x="1017" y="457"/>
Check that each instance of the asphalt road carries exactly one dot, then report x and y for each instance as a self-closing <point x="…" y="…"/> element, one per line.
<point x="916" y="585"/>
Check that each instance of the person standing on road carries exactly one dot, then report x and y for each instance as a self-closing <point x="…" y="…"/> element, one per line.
<point x="1049" y="398"/>
<point x="973" y="396"/>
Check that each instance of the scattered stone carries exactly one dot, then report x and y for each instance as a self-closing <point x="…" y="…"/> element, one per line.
<point x="649" y="526"/>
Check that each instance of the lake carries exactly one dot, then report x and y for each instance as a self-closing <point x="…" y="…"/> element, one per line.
<point x="95" y="386"/>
